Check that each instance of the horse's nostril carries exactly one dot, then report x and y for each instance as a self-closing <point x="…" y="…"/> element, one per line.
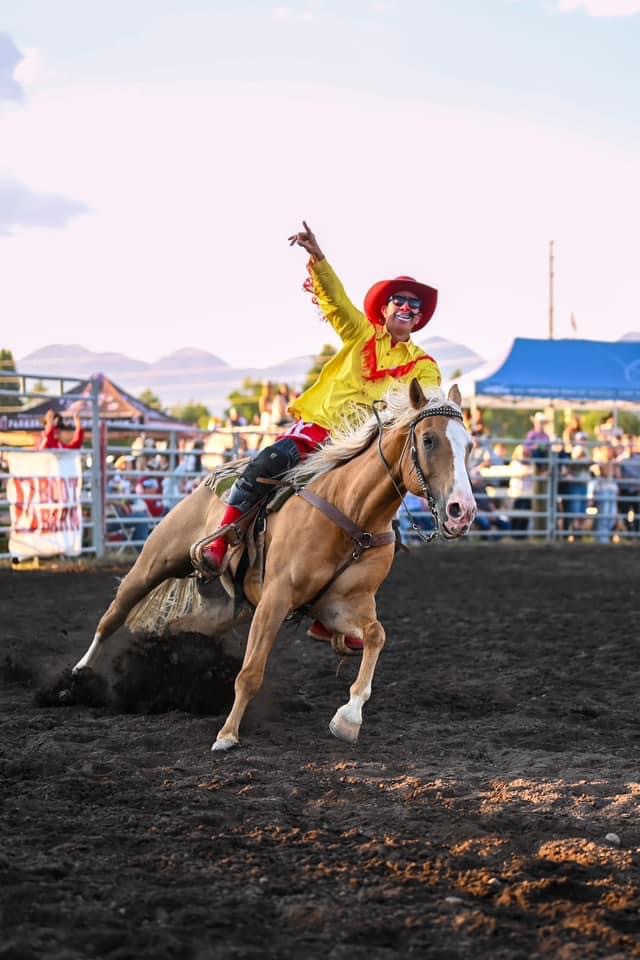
<point x="454" y="510"/>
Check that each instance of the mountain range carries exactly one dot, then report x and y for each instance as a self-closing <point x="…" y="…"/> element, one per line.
<point x="196" y="375"/>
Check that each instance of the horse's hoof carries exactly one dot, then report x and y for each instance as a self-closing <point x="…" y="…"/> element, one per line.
<point x="344" y="729"/>
<point x="223" y="745"/>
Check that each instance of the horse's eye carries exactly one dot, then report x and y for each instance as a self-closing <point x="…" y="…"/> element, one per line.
<point x="428" y="442"/>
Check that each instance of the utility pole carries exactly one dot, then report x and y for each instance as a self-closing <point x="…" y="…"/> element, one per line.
<point x="551" y="277"/>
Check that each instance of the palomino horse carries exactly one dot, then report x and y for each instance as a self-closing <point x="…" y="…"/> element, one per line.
<point x="422" y="446"/>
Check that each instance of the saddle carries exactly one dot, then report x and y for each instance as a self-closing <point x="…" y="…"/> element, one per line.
<point x="242" y="571"/>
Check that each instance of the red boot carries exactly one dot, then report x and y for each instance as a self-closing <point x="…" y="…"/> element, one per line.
<point x="318" y="631"/>
<point x="214" y="553"/>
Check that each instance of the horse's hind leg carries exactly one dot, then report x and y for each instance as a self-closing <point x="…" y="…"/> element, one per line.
<point x="165" y="554"/>
<point x="133" y="588"/>
<point x="267" y="620"/>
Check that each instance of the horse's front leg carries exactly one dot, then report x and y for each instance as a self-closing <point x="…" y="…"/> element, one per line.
<point x="267" y="620"/>
<point x="347" y="720"/>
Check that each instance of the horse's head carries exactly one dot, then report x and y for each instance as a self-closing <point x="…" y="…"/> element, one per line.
<point x="437" y="467"/>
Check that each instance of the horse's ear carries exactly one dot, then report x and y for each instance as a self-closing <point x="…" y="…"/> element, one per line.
<point x="454" y="394"/>
<point x="416" y="395"/>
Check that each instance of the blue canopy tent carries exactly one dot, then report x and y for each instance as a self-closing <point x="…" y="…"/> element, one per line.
<point x="576" y="371"/>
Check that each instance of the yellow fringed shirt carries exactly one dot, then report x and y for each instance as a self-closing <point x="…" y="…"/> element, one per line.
<point x="367" y="365"/>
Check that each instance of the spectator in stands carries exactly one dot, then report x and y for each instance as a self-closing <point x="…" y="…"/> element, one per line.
<point x="265" y="405"/>
<point x="280" y="416"/>
<point x="607" y="430"/>
<point x="572" y="433"/>
<point x="499" y="455"/>
<point x="185" y="477"/>
<point x="131" y="511"/>
<point x="602" y="495"/>
<point x="477" y="454"/>
<point x="51" y="439"/>
<point x="149" y="488"/>
<point x="629" y="466"/>
<point x="489" y="520"/>
<point x="521" y="486"/>
<point x="538" y="440"/>
<point x="577" y="478"/>
<point x="235" y="419"/>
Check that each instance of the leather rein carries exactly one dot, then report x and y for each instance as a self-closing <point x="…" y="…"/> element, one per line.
<point x="443" y="410"/>
<point x="364" y="540"/>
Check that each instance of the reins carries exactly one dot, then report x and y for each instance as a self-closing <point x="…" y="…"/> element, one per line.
<point x="444" y="410"/>
<point x="362" y="539"/>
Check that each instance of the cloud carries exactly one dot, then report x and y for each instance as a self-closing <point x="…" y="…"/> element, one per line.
<point x="10" y="57"/>
<point x="602" y="8"/>
<point x="29" y="69"/>
<point x="22" y="207"/>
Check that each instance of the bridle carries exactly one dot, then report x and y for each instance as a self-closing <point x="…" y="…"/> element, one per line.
<point x="443" y="410"/>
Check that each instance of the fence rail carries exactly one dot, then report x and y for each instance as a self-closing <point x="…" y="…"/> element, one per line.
<point x="127" y="489"/>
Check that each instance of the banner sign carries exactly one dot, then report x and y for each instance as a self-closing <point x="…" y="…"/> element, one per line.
<point x="43" y="491"/>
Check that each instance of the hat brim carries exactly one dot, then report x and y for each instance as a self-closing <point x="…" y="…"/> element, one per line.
<point x="377" y="297"/>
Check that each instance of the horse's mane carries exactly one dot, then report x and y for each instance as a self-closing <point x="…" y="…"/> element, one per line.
<point x="353" y="438"/>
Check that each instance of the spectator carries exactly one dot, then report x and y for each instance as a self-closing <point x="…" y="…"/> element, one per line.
<point x="265" y="405"/>
<point x="489" y="520"/>
<point x="50" y="438"/>
<point x="478" y="453"/>
<point x="538" y="440"/>
<point x="629" y="466"/>
<point x="577" y="478"/>
<point x="280" y="416"/>
<point x="149" y="488"/>
<point x="521" y="487"/>
<point x="573" y="432"/>
<point x="235" y="419"/>
<point x="499" y="455"/>
<point x="607" y="429"/>
<point x="132" y="512"/>
<point x="184" y="478"/>
<point x="602" y="495"/>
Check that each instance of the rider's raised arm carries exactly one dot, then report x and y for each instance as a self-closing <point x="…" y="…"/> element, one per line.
<point x="345" y="318"/>
<point x="348" y="322"/>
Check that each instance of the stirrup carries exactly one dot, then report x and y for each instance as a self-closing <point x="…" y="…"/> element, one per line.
<point x="230" y="532"/>
<point x="204" y="569"/>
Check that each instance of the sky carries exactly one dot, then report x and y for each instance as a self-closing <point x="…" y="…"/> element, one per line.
<point x="156" y="154"/>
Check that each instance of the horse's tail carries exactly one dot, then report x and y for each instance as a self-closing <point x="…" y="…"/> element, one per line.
<point x="171" y="599"/>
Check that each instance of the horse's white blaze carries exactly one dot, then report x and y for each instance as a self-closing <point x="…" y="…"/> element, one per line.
<point x="462" y="492"/>
<point x="90" y="655"/>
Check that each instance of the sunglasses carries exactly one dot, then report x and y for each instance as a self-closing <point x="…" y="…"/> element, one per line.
<point x="414" y="303"/>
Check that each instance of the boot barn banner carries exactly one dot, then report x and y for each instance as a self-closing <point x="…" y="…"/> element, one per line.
<point x="43" y="491"/>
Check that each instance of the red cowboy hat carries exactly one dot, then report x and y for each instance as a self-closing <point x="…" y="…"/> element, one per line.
<point x="379" y="294"/>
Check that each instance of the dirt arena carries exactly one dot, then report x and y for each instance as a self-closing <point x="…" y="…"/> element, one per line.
<point x="500" y="747"/>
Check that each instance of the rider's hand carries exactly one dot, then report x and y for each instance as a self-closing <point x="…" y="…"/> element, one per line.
<point x="306" y="238"/>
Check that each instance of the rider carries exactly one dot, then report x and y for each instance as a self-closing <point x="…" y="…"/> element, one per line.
<point x="377" y="352"/>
